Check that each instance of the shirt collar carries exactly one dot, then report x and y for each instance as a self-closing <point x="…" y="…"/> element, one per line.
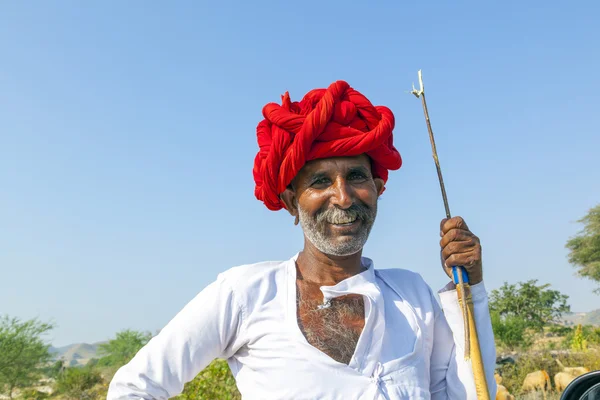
<point x="363" y="283"/>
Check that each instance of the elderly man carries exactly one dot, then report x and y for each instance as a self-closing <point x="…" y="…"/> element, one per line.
<point x="324" y="324"/>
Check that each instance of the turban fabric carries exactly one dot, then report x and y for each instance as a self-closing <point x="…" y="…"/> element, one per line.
<point x="334" y="122"/>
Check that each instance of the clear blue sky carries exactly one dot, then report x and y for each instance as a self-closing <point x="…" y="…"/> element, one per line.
<point x="127" y="136"/>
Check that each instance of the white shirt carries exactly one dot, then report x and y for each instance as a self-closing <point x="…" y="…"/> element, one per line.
<point x="409" y="348"/>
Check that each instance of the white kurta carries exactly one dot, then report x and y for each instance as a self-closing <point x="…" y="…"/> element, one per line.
<point x="409" y="347"/>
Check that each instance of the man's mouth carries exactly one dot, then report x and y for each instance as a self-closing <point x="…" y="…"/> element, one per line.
<point x="343" y="221"/>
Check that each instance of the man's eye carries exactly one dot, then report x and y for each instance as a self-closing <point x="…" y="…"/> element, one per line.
<point x="320" y="181"/>
<point x="357" y="176"/>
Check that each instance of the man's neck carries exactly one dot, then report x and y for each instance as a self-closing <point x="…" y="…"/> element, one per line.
<point x="327" y="270"/>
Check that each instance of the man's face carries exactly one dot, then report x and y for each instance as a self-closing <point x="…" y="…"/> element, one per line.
<point x="336" y="202"/>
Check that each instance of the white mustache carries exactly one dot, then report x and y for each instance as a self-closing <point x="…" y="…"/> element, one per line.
<point x="338" y="216"/>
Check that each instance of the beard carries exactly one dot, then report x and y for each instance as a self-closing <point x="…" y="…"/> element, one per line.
<point x="315" y="228"/>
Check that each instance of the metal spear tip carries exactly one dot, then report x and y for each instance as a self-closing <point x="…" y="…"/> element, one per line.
<point x="419" y="92"/>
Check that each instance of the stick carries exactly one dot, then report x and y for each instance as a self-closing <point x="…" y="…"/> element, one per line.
<point x="460" y="276"/>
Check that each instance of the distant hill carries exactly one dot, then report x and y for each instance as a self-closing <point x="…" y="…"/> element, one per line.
<point x="77" y="354"/>
<point x="584" y="318"/>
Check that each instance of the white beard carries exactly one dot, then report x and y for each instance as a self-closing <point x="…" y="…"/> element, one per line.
<point x="314" y="230"/>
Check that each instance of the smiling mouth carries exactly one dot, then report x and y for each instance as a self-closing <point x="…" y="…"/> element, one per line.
<point x="344" y="222"/>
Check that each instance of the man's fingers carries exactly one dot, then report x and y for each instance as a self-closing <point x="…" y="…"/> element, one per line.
<point x="457" y="248"/>
<point x="442" y="226"/>
<point x="453" y="223"/>
<point x="457" y="235"/>
<point x="466" y="259"/>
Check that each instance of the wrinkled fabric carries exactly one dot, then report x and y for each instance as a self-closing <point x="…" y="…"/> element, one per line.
<point x="410" y="347"/>
<point x="334" y="122"/>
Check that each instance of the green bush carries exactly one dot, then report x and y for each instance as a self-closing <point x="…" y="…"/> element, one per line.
<point x="120" y="350"/>
<point x="559" y="330"/>
<point x="581" y="337"/>
<point x="579" y="341"/>
<point x="511" y="331"/>
<point x="33" y="394"/>
<point x="593" y="335"/>
<point x="214" y="382"/>
<point x="78" y="382"/>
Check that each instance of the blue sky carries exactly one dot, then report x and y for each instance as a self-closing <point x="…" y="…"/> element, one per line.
<point x="127" y="136"/>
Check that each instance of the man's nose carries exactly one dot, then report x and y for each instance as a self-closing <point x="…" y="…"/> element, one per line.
<point x="342" y="196"/>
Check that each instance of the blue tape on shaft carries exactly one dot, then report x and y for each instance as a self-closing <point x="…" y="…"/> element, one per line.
<point x="455" y="272"/>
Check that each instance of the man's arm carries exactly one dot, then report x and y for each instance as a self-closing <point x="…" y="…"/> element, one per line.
<point x="452" y="376"/>
<point x="205" y="329"/>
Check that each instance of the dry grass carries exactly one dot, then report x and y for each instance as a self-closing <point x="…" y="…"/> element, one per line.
<point x="539" y="396"/>
<point x="514" y="374"/>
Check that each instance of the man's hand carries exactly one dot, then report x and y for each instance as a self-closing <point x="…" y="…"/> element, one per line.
<point x="460" y="248"/>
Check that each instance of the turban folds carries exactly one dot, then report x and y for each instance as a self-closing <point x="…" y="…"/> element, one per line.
<point x="334" y="122"/>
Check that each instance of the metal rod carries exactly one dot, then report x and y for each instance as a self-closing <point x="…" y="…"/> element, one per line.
<point x="435" y="156"/>
<point x="421" y="93"/>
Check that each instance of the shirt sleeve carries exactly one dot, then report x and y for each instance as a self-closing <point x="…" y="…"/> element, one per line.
<point x="451" y="375"/>
<point x="205" y="329"/>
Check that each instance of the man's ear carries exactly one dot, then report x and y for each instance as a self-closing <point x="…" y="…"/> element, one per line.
<point x="288" y="197"/>
<point x="380" y="185"/>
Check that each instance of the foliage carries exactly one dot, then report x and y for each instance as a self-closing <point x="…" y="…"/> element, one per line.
<point x="23" y="353"/>
<point x="536" y="305"/>
<point x="585" y="247"/>
<point x="559" y="330"/>
<point x="511" y="331"/>
<point x="592" y="334"/>
<point x="582" y="337"/>
<point x="120" y="350"/>
<point x="33" y="394"/>
<point x="54" y="369"/>
<point x="578" y="342"/>
<point x="514" y="374"/>
<point x="77" y="382"/>
<point x="214" y="382"/>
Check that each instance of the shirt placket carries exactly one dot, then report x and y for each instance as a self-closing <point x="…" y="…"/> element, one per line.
<point x="367" y="353"/>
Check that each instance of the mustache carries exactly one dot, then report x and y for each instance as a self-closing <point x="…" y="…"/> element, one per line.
<point x="358" y="211"/>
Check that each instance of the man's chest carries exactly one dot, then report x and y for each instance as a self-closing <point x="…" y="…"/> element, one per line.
<point x="346" y="327"/>
<point x="334" y="327"/>
<point x="357" y="341"/>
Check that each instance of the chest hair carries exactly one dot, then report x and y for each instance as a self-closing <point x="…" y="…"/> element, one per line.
<point x="334" y="330"/>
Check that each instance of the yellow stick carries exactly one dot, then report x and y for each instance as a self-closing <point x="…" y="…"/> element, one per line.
<point x="481" y="385"/>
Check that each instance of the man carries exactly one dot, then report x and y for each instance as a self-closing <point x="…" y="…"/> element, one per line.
<point x="324" y="324"/>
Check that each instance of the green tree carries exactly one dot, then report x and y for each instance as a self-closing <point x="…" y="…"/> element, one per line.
<point x="23" y="353"/>
<point x="511" y="331"/>
<point x="214" y="382"/>
<point x="120" y="350"/>
<point x="536" y="305"/>
<point x="53" y="370"/>
<point x="585" y="247"/>
<point x="77" y="382"/>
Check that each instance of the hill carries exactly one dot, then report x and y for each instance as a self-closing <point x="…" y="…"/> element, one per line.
<point x="593" y="318"/>
<point x="77" y="354"/>
<point x="584" y="318"/>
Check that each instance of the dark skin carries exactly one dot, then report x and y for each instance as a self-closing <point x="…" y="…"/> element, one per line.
<point x="332" y="182"/>
<point x="341" y="182"/>
<point x="460" y="247"/>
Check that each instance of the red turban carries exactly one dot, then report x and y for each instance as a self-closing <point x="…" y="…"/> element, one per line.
<point x="333" y="122"/>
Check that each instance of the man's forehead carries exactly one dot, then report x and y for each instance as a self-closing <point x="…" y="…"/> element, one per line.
<point x="335" y="163"/>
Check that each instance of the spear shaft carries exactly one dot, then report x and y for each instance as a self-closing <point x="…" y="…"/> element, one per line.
<point x="472" y="349"/>
<point x="435" y="156"/>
